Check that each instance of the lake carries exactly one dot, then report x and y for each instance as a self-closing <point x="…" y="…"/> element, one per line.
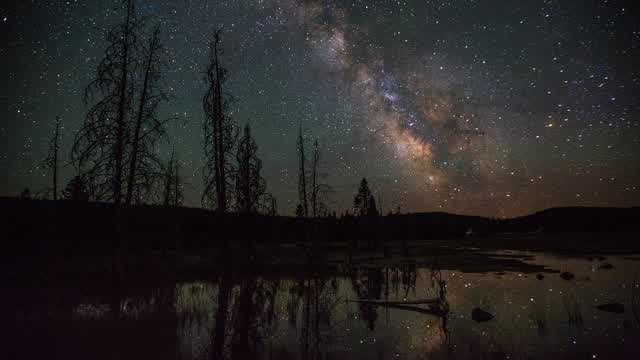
<point x="543" y="306"/>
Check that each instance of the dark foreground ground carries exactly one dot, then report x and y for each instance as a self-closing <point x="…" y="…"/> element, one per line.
<point x="87" y="280"/>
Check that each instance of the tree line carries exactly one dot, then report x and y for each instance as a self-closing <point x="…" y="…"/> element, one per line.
<point x="115" y="151"/>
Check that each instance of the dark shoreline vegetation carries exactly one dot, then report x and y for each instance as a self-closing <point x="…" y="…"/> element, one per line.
<point x="61" y="240"/>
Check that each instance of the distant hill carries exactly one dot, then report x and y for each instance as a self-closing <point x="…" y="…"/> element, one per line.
<point x="578" y="219"/>
<point x="436" y="225"/>
<point x="554" y="220"/>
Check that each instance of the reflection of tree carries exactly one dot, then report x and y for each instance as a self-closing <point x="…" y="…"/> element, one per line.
<point x="309" y="308"/>
<point x="253" y="317"/>
<point x="404" y="275"/>
<point x="219" y="335"/>
<point x="371" y="283"/>
<point x="409" y="279"/>
<point x="244" y="317"/>
<point x="194" y="305"/>
<point x="367" y="284"/>
<point x="437" y="281"/>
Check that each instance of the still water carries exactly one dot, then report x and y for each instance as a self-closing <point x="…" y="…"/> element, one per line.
<point x="548" y="313"/>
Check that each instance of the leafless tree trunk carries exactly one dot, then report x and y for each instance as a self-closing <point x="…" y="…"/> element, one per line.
<point x="302" y="174"/>
<point x="172" y="191"/>
<point x="177" y="193"/>
<point x="320" y="191"/>
<point x="250" y="185"/>
<point x="271" y="204"/>
<point x="51" y="161"/>
<point x="144" y="165"/>
<point x="122" y="109"/>
<point x="315" y="162"/>
<point x="219" y="134"/>
<point x="168" y="181"/>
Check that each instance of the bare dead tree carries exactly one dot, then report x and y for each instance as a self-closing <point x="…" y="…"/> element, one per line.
<point x="99" y="146"/>
<point x="302" y="174"/>
<point x="168" y="182"/>
<point x="172" y="189"/>
<point x="315" y="163"/>
<point x="220" y="134"/>
<point x="51" y="162"/>
<point x="250" y="186"/>
<point x="76" y="190"/>
<point x="144" y="165"/>
<point x="177" y="186"/>
<point x="319" y="189"/>
<point x="272" y="204"/>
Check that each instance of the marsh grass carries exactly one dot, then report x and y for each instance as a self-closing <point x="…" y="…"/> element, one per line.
<point x="572" y="309"/>
<point x="540" y="321"/>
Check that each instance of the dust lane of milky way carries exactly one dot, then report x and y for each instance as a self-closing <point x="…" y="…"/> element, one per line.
<point x="475" y="107"/>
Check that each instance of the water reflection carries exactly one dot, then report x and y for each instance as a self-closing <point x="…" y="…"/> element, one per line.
<point x="399" y="311"/>
<point x="193" y="305"/>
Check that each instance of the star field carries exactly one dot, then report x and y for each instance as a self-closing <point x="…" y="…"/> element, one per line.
<point x="475" y="107"/>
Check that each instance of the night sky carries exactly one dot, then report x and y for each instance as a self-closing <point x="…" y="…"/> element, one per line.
<point x="485" y="107"/>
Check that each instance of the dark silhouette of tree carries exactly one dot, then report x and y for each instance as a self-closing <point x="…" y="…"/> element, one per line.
<point x="299" y="211"/>
<point x="367" y="285"/>
<point x="309" y="308"/>
<point x="100" y="145"/>
<point x="245" y="312"/>
<point x="364" y="203"/>
<point x="254" y="312"/>
<point x="271" y="204"/>
<point x="25" y="194"/>
<point x="250" y="187"/>
<point x="372" y="209"/>
<point x="302" y="174"/>
<point x="51" y="162"/>
<point x="76" y="190"/>
<point x="222" y="315"/>
<point x="219" y="133"/>
<point x="319" y="190"/>
<point x="247" y="320"/>
<point x="172" y="189"/>
<point x="144" y="165"/>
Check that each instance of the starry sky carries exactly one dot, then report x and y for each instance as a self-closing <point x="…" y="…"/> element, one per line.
<point x="478" y="107"/>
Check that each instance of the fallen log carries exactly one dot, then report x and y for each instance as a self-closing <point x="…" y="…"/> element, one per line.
<point x="434" y="306"/>
<point x="391" y="302"/>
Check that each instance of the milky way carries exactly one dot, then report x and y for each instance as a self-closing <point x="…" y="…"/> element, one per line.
<point x="476" y="107"/>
